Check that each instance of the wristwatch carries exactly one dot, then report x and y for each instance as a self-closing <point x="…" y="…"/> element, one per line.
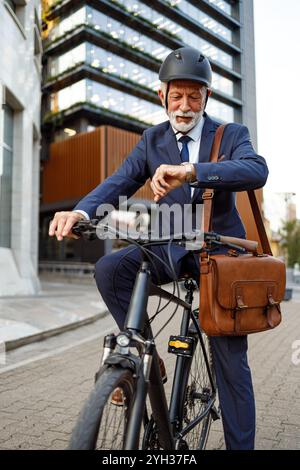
<point x="189" y="172"/>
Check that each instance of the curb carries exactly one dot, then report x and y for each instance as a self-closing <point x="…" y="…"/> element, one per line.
<point x="23" y="341"/>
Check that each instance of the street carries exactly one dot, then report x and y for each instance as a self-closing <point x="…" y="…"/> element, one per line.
<point x="44" y="385"/>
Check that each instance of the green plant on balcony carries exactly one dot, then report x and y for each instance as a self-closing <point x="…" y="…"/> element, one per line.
<point x="52" y="78"/>
<point x="50" y="42"/>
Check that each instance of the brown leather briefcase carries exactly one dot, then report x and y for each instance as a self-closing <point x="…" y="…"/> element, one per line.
<point x="239" y="293"/>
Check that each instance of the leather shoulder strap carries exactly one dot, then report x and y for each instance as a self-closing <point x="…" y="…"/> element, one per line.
<point x="259" y="223"/>
<point x="208" y="195"/>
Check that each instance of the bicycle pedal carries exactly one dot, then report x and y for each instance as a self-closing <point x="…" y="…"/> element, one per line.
<point x="181" y="345"/>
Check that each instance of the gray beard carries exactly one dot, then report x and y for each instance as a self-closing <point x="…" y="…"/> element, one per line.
<point x="182" y="126"/>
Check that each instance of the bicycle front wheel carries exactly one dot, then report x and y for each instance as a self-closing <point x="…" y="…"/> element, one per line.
<point x="102" y="424"/>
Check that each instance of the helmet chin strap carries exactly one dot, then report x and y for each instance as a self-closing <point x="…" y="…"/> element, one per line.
<point x="206" y="99"/>
<point x="166" y="98"/>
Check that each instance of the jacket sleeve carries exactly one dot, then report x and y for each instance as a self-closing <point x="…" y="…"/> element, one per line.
<point x="125" y="181"/>
<point x="242" y="169"/>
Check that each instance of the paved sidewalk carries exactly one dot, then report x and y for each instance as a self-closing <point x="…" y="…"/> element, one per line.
<point x="40" y="401"/>
<point x="60" y="306"/>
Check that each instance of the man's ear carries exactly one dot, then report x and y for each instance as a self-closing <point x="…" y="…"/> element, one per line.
<point x="162" y="97"/>
<point x="209" y="92"/>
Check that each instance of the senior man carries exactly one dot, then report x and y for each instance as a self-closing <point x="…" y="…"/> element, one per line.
<point x="175" y="155"/>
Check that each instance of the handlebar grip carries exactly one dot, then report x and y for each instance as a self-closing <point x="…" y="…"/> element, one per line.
<point x="249" y="245"/>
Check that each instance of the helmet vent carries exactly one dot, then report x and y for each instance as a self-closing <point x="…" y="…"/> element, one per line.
<point x="178" y="55"/>
<point x="201" y="58"/>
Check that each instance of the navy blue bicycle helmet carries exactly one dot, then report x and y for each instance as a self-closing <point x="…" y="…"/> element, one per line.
<point x="186" y="63"/>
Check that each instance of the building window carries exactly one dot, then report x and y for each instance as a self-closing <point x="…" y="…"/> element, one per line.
<point x="220" y="111"/>
<point x="6" y="178"/>
<point x="164" y="23"/>
<point x="118" y="31"/>
<point x="107" y="98"/>
<point x="140" y="9"/>
<point x="17" y="10"/>
<point x="223" y="5"/>
<point x="105" y="61"/>
<point x="222" y="84"/>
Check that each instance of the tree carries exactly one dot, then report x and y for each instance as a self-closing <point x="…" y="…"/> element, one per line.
<point x="290" y="233"/>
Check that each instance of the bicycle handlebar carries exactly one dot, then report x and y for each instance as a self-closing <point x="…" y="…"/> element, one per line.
<point x="88" y="229"/>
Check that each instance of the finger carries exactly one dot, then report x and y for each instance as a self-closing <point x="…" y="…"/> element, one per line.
<point x="71" y="220"/>
<point x="152" y="186"/>
<point x="162" y="183"/>
<point x="60" y="228"/>
<point x="53" y="226"/>
<point x="157" y="190"/>
<point x="156" y="184"/>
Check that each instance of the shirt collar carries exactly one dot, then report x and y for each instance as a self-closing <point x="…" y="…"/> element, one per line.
<point x="195" y="133"/>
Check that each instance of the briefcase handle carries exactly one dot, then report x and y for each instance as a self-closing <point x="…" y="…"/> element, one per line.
<point x="208" y="195"/>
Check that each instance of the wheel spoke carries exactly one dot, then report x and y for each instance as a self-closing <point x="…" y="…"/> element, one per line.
<point x="198" y="394"/>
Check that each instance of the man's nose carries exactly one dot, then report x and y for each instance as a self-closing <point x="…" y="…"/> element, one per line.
<point x="185" y="105"/>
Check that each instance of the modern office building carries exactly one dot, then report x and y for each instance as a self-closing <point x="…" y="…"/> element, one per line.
<point x="20" y="82"/>
<point x="101" y="62"/>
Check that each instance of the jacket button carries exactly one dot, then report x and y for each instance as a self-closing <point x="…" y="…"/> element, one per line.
<point x="213" y="178"/>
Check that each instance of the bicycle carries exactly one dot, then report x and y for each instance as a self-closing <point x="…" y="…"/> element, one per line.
<point x="185" y="424"/>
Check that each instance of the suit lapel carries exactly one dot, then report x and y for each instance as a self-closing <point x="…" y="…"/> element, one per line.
<point x="170" y="148"/>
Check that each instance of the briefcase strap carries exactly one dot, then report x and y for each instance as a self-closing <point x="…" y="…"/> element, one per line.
<point x="208" y="195"/>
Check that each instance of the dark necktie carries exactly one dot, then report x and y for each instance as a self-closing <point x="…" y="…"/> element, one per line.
<point x="184" y="154"/>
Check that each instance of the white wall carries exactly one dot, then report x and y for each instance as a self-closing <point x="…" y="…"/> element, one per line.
<point x="20" y="82"/>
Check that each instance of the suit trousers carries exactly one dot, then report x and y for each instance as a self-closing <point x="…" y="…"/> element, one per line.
<point x="115" y="276"/>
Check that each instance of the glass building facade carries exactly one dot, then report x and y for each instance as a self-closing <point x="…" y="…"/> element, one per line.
<point x="107" y="56"/>
<point x="101" y="63"/>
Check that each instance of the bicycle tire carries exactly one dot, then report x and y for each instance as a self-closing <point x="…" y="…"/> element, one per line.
<point x="101" y="424"/>
<point x="198" y="383"/>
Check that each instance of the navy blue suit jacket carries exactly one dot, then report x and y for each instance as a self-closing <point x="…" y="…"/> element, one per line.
<point x="240" y="169"/>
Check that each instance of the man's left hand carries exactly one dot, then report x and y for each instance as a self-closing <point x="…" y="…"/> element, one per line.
<point x="166" y="178"/>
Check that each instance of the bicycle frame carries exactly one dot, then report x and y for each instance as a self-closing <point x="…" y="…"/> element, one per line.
<point x="166" y="420"/>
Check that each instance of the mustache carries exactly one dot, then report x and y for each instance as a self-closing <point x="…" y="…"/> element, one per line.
<point x="182" y="114"/>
